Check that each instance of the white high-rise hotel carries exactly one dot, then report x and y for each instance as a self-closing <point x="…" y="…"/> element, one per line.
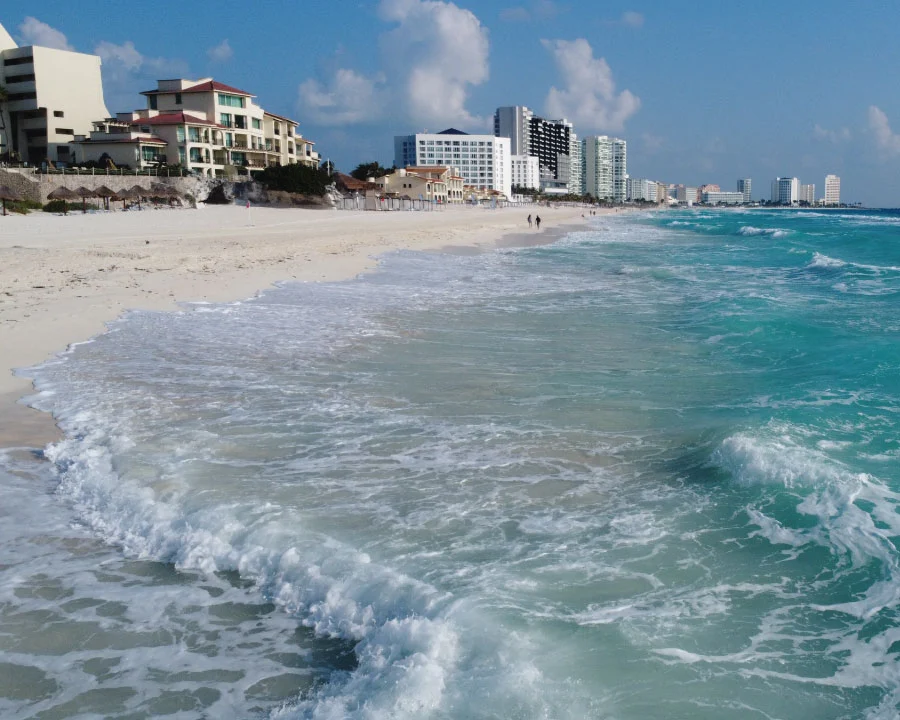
<point x="744" y="185"/>
<point x="484" y="161"/>
<point x="604" y="160"/>
<point x="832" y="190"/>
<point x="785" y="190"/>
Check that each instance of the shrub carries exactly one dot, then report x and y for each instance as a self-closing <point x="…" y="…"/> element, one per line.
<point x="58" y="206"/>
<point x="23" y="207"/>
<point x="295" y="179"/>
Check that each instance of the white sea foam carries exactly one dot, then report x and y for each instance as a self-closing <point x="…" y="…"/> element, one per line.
<point x="750" y="231"/>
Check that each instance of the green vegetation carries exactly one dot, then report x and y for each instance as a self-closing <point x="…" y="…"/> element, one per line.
<point x="61" y="206"/>
<point x="22" y="207"/>
<point x="295" y="179"/>
<point x="364" y="171"/>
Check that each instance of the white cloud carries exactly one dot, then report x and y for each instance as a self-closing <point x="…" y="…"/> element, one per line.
<point x="221" y="53"/>
<point x="834" y="136"/>
<point x="349" y="98"/>
<point x="515" y="14"/>
<point x="886" y="139"/>
<point x="435" y="52"/>
<point x="126" y="71"/>
<point x="35" y="32"/>
<point x="632" y="19"/>
<point x="589" y="97"/>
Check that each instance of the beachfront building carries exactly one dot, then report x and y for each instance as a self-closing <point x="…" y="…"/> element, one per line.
<point x="686" y="195"/>
<point x="53" y="96"/>
<point x="526" y="172"/>
<point x="785" y="190"/>
<point x="832" y="190"/>
<point x="641" y="190"/>
<point x="553" y="142"/>
<point x="708" y="187"/>
<point x="208" y="127"/>
<point x="807" y="194"/>
<point x="722" y="197"/>
<point x="437" y="184"/>
<point x="744" y="186"/>
<point x="122" y="144"/>
<point x="483" y="161"/>
<point x="605" y="167"/>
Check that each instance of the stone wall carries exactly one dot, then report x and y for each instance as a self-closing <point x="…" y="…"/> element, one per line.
<point x="37" y="186"/>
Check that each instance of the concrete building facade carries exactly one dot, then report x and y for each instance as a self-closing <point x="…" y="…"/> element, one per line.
<point x="484" y="161"/>
<point x="437" y="184"/>
<point x="785" y="191"/>
<point x="744" y="186"/>
<point x="832" y="190"/>
<point x="722" y="197"/>
<point x="807" y="194"/>
<point x="605" y="167"/>
<point x="53" y="96"/>
<point x="526" y="172"/>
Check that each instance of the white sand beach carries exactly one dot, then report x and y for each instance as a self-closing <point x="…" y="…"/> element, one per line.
<point x="63" y="277"/>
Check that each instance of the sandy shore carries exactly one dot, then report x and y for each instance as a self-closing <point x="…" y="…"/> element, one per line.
<point x="63" y="278"/>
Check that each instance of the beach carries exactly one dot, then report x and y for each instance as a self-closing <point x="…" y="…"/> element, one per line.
<point x="62" y="278"/>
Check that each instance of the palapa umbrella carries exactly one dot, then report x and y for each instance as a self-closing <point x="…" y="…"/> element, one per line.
<point x="7" y="193"/>
<point x="63" y="193"/>
<point x="125" y="195"/>
<point x="106" y="193"/>
<point x="139" y="193"/>
<point x="84" y="193"/>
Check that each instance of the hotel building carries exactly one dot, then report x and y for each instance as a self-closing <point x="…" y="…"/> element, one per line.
<point x="207" y="127"/>
<point x="722" y="197"/>
<point x="744" y="186"/>
<point x="52" y="96"/>
<point x="807" y="194"/>
<point x="832" y="190"/>
<point x="785" y="190"/>
<point x="484" y="161"/>
<point x="526" y="172"/>
<point x="553" y="142"/>
<point x="605" y="167"/>
<point x="433" y="184"/>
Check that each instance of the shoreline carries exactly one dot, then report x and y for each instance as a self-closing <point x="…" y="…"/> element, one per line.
<point x="63" y="279"/>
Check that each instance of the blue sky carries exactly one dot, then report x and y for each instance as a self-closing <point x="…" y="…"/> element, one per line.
<point x="703" y="92"/>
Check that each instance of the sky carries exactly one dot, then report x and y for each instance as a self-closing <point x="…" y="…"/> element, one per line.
<point x="702" y="92"/>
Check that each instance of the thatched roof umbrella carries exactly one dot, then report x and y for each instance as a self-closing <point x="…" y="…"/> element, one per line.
<point x="106" y="193"/>
<point x="84" y="193"/>
<point x="63" y="193"/>
<point x="139" y="193"/>
<point x="125" y="195"/>
<point x="7" y="193"/>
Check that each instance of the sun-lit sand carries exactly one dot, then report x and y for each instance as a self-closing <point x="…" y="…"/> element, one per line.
<point x="62" y="278"/>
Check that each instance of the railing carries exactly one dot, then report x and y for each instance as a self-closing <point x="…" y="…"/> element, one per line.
<point x="153" y="172"/>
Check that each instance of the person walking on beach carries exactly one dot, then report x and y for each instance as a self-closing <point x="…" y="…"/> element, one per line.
<point x="529" y="221"/>
<point x="537" y="221"/>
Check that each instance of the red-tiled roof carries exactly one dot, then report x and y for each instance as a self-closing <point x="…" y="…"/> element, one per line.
<point x="213" y="85"/>
<point x="178" y="118"/>
<point x="281" y="117"/>
<point x="131" y="141"/>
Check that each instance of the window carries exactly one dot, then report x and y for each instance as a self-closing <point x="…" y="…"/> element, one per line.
<point x="231" y="100"/>
<point x="152" y="100"/>
<point x="180" y="134"/>
<point x="58" y="113"/>
<point x="178" y="98"/>
<point x="182" y="156"/>
<point x="229" y="139"/>
<point x="9" y="62"/>
<point x="10" y="79"/>
<point x="257" y="124"/>
<point x="196" y="155"/>
<point x="225" y="119"/>
<point x="64" y="131"/>
<point x="14" y="97"/>
<point x="194" y="134"/>
<point x="149" y="154"/>
<point x="240" y="122"/>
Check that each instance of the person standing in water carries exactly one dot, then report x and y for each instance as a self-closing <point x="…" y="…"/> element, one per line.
<point x="537" y="221"/>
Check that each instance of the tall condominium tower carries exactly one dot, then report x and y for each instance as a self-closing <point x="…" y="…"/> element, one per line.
<point x="605" y="167"/>
<point x="832" y="190"/>
<point x="743" y="186"/>
<point x="550" y="141"/>
<point x="785" y="190"/>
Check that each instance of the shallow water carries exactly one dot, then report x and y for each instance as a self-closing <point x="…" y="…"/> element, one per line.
<point x="649" y="471"/>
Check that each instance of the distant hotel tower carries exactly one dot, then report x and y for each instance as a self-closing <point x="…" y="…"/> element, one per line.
<point x="743" y="186"/>
<point x="832" y="190"/>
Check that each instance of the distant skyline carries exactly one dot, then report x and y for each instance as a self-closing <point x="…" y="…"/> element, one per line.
<point x="703" y="93"/>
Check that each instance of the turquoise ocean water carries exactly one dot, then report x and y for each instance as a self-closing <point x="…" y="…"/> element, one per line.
<point x="649" y="471"/>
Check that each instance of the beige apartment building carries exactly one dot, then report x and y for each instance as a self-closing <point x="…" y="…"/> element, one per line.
<point x="205" y="126"/>
<point x="52" y="97"/>
<point x="432" y="183"/>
